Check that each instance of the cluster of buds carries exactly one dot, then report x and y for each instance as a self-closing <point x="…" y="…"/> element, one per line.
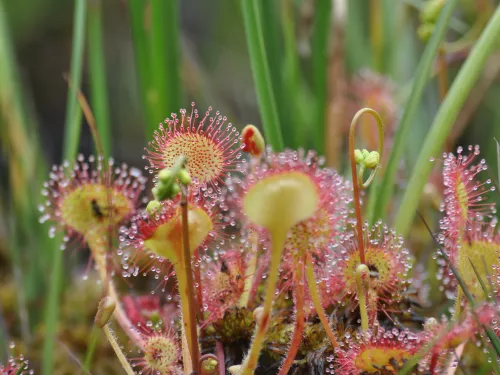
<point x="170" y="181"/>
<point x="368" y="159"/>
<point x="428" y="18"/>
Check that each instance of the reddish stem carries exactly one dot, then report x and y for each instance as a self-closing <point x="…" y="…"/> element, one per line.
<point x="189" y="292"/>
<point x="357" y="204"/>
<point x="355" y="182"/>
<point x="219" y="350"/>
<point x="298" y="329"/>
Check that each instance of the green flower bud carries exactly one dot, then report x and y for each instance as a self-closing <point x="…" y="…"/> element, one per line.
<point x="209" y="365"/>
<point x="104" y="311"/>
<point x="184" y="177"/>
<point x="176" y="189"/>
<point x="431" y="10"/>
<point x="365" y="152"/>
<point x="372" y="160"/>
<point x="358" y="156"/>
<point x="153" y="207"/>
<point x="163" y="191"/>
<point x="425" y="31"/>
<point x="165" y="175"/>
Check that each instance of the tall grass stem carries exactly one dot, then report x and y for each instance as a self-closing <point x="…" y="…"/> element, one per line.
<point x="261" y="75"/>
<point x="320" y="39"/>
<point x="164" y="58"/>
<point x="97" y="66"/>
<point x="141" y="45"/>
<point x="73" y="113"/>
<point x="71" y="142"/>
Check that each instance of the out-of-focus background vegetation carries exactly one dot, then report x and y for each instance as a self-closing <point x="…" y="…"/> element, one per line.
<point x="140" y="60"/>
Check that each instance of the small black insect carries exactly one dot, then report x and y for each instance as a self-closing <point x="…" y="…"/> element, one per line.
<point x="96" y="209"/>
<point x="223" y="267"/>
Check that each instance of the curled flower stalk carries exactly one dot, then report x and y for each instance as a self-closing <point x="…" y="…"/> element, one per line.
<point x="356" y="182"/>
<point x="369" y="160"/>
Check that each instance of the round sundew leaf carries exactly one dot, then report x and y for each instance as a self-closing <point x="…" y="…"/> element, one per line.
<point x="381" y="358"/>
<point x="281" y="201"/>
<point x="376" y="260"/>
<point x="161" y="353"/>
<point x="205" y="159"/>
<point x="91" y="207"/>
<point x="166" y="240"/>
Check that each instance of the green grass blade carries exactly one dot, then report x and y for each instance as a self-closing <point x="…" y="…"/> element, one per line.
<point x="20" y="142"/>
<point x="446" y="116"/>
<point x="89" y="355"/>
<point x="71" y="142"/>
<point x="385" y="191"/>
<point x="164" y="61"/>
<point x="271" y="31"/>
<point x="261" y="75"/>
<point x="321" y="31"/>
<point x="481" y="282"/>
<point x="141" y="46"/>
<point x="97" y="66"/>
<point x="291" y="78"/>
<point x="357" y="47"/>
<point x="73" y="112"/>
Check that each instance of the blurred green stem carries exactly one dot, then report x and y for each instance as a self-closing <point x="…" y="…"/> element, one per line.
<point x="291" y="75"/>
<point x="73" y="112"/>
<point x="376" y="24"/>
<point x="446" y="116"/>
<point x="164" y="61"/>
<point x="378" y="202"/>
<point x="71" y="141"/>
<point x="92" y="343"/>
<point x="261" y="75"/>
<point x="97" y="65"/>
<point x="271" y="30"/>
<point x="141" y="56"/>
<point x="321" y="31"/>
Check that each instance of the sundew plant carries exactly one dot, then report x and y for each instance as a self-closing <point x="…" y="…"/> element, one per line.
<point x="328" y="205"/>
